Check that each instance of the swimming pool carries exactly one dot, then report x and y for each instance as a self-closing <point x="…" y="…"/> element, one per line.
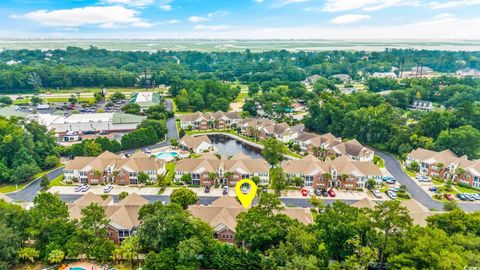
<point x="166" y="155"/>
<point x="76" y="268"/>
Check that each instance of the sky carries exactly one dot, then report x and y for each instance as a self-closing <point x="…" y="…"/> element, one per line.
<point x="241" y="19"/>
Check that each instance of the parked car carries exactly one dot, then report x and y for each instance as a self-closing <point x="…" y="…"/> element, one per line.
<point x="304" y="192"/>
<point x="449" y="197"/>
<point x="311" y="192"/>
<point x="392" y="195"/>
<point x="324" y="193"/>
<point x="331" y="193"/>
<point x="433" y="189"/>
<point x="318" y="192"/>
<point x="422" y="178"/>
<point x="78" y="188"/>
<point x="476" y="196"/>
<point x="461" y="197"/>
<point x="377" y="193"/>
<point x="264" y="189"/>
<point x="244" y="189"/>
<point x="107" y="188"/>
<point x="207" y="189"/>
<point x="85" y="188"/>
<point x="147" y="151"/>
<point x="225" y="190"/>
<point x="469" y="197"/>
<point x="389" y="180"/>
<point x="394" y="189"/>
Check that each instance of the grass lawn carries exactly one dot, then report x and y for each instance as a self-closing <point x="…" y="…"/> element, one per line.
<point x="380" y="162"/>
<point x="170" y="167"/>
<point x="437" y="183"/>
<point x="57" y="182"/>
<point x="7" y="188"/>
<point x="466" y="190"/>
<point x="241" y="97"/>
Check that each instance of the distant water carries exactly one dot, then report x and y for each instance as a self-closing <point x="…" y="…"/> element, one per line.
<point x="228" y="146"/>
<point x="241" y="45"/>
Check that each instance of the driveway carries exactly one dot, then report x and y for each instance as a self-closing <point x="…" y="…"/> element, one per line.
<point x="29" y="192"/>
<point x="172" y="132"/>
<point x="417" y="192"/>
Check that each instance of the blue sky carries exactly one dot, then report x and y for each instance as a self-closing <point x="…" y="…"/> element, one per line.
<point x="248" y="19"/>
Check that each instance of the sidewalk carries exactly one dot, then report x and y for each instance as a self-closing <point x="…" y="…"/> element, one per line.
<point x="99" y="190"/>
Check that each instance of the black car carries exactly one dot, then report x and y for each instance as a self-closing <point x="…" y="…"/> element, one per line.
<point x="318" y="192"/>
<point x="207" y="189"/>
<point x="324" y="193"/>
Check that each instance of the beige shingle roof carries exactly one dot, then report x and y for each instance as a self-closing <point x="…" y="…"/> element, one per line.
<point x="207" y="163"/>
<point x="364" y="203"/>
<point x="352" y="147"/>
<point x="222" y="213"/>
<point x="310" y="165"/>
<point x="428" y="156"/>
<point x="192" y="142"/>
<point x="137" y="162"/>
<point x="133" y="199"/>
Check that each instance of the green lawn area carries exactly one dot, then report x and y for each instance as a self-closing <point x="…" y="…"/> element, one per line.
<point x="57" y="182"/>
<point x="89" y="90"/>
<point x="241" y="97"/>
<point x="379" y="161"/>
<point x="437" y="183"/>
<point x="170" y="167"/>
<point x="466" y="190"/>
<point x="7" y="188"/>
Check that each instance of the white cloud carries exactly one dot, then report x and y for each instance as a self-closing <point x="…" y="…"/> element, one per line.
<point x="454" y="4"/>
<point x="174" y="21"/>
<point x="196" y="19"/>
<point x="349" y="18"/>
<point x="166" y="7"/>
<point x="218" y="13"/>
<point x="105" y="17"/>
<point x="367" y="5"/>
<point x="132" y="3"/>
<point x="211" y="27"/>
<point x="288" y="2"/>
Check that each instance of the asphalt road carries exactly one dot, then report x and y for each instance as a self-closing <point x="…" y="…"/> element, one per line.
<point x="172" y="132"/>
<point x="395" y="168"/>
<point x="206" y="200"/>
<point x="29" y="192"/>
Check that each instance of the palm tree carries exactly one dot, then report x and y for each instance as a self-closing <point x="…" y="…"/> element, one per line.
<point x="212" y="176"/>
<point x="115" y="175"/>
<point x="97" y="174"/>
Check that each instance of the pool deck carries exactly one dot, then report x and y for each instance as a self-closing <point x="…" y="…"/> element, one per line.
<point x="84" y="265"/>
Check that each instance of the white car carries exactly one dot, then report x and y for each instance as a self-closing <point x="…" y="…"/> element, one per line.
<point x="392" y="195"/>
<point x="107" y="188"/>
<point x="377" y="193"/>
<point x="423" y="178"/>
<point x="85" y="188"/>
<point x="78" y="188"/>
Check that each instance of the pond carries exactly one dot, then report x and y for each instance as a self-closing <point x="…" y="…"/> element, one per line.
<point x="229" y="146"/>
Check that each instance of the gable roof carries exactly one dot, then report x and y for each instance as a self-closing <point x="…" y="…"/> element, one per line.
<point x="133" y="199"/>
<point x="352" y="147"/>
<point x="364" y="203"/>
<point x="137" y="162"/>
<point x="209" y="163"/>
<point x="192" y="142"/>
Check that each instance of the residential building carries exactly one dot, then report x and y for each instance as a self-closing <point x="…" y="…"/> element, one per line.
<point x="196" y="144"/>
<point x="264" y="128"/>
<point x="222" y="214"/>
<point x="122" y="216"/>
<point x="468" y="72"/>
<point x="341" y="172"/>
<point x="209" y="170"/>
<point x="447" y="165"/>
<point x="145" y="99"/>
<point x="390" y="75"/>
<point x="204" y="121"/>
<point x="113" y="169"/>
<point x="311" y="79"/>
<point x="345" y="78"/>
<point x="89" y="122"/>
<point x="313" y="143"/>
<point x="351" y="149"/>
<point x="422" y="105"/>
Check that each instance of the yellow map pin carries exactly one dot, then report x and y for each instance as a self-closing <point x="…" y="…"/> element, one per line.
<point x="246" y="196"/>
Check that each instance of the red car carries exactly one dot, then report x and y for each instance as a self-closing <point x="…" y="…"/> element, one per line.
<point x="331" y="193"/>
<point x="304" y="192"/>
<point x="449" y="197"/>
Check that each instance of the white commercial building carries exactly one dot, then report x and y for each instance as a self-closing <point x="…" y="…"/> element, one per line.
<point x="89" y="122"/>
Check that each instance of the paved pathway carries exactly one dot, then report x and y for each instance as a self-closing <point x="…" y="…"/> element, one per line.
<point x="419" y="194"/>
